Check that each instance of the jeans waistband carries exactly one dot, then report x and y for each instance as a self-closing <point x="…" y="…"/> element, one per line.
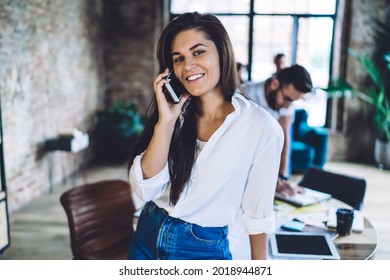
<point x="161" y="236"/>
<point x="162" y="213"/>
<point x="151" y="206"/>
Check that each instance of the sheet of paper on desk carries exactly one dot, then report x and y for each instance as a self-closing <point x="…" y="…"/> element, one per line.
<point x="307" y="198"/>
<point x="314" y="214"/>
<point x="283" y="206"/>
<point x="332" y="232"/>
<point x="358" y="221"/>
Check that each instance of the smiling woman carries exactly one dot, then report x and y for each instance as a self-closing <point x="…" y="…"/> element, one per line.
<point x="200" y="162"/>
<point x="197" y="66"/>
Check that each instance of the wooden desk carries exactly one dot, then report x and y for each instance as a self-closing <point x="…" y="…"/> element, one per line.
<point x="356" y="246"/>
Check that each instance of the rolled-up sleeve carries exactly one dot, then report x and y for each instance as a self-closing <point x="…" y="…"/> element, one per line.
<point x="151" y="188"/>
<point x="257" y="203"/>
<point x="257" y="226"/>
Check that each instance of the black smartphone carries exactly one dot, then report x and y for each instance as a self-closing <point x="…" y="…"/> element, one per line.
<point x="174" y="89"/>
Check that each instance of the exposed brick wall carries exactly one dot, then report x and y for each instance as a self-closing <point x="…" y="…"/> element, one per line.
<point x="61" y="62"/>
<point x="132" y="29"/>
<point x="50" y="81"/>
<point x="361" y="131"/>
<point x="356" y="142"/>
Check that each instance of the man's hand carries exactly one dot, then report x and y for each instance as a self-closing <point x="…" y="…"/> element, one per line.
<point x="285" y="188"/>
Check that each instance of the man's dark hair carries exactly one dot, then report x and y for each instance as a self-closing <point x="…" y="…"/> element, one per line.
<point x="278" y="56"/>
<point x="296" y="75"/>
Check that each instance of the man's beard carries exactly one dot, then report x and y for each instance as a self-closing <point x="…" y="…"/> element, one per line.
<point x="272" y="99"/>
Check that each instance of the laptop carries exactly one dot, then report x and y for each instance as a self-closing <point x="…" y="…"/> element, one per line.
<point x="309" y="197"/>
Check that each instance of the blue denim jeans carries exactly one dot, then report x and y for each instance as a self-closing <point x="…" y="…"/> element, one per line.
<point x="160" y="236"/>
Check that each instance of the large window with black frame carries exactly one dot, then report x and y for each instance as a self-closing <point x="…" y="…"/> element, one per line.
<point x="302" y="30"/>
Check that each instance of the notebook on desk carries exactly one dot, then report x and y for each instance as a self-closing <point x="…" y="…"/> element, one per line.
<point x="309" y="197"/>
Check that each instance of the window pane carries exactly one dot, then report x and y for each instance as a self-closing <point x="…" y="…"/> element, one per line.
<point x="213" y="6"/>
<point x="296" y="6"/>
<point x="315" y="105"/>
<point x="272" y="35"/>
<point x="314" y="45"/>
<point x="237" y="28"/>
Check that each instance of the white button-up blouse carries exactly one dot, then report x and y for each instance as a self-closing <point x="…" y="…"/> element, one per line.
<point x="236" y="171"/>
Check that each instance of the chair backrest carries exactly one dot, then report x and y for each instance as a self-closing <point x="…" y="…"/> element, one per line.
<point x="300" y="126"/>
<point x="100" y="219"/>
<point x="348" y="189"/>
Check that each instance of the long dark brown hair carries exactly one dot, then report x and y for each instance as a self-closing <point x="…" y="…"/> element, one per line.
<point x="182" y="150"/>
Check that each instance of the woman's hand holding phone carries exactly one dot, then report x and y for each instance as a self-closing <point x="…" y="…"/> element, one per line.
<point x="168" y="112"/>
<point x="156" y="154"/>
<point x="173" y="90"/>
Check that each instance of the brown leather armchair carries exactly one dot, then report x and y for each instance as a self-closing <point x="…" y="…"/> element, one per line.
<point x="100" y="218"/>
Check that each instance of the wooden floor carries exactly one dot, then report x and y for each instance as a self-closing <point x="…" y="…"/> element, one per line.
<point x="39" y="231"/>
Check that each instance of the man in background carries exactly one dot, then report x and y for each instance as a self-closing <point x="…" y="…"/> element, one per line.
<point x="280" y="62"/>
<point x="242" y="72"/>
<point x="276" y="95"/>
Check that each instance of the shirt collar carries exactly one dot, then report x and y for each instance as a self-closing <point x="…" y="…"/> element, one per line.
<point x="239" y="101"/>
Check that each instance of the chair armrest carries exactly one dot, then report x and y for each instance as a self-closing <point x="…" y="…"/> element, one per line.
<point x="303" y="132"/>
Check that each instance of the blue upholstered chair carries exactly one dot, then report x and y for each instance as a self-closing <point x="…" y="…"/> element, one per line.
<point x="309" y="144"/>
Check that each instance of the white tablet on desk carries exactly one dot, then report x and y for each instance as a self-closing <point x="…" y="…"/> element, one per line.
<point x="303" y="245"/>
